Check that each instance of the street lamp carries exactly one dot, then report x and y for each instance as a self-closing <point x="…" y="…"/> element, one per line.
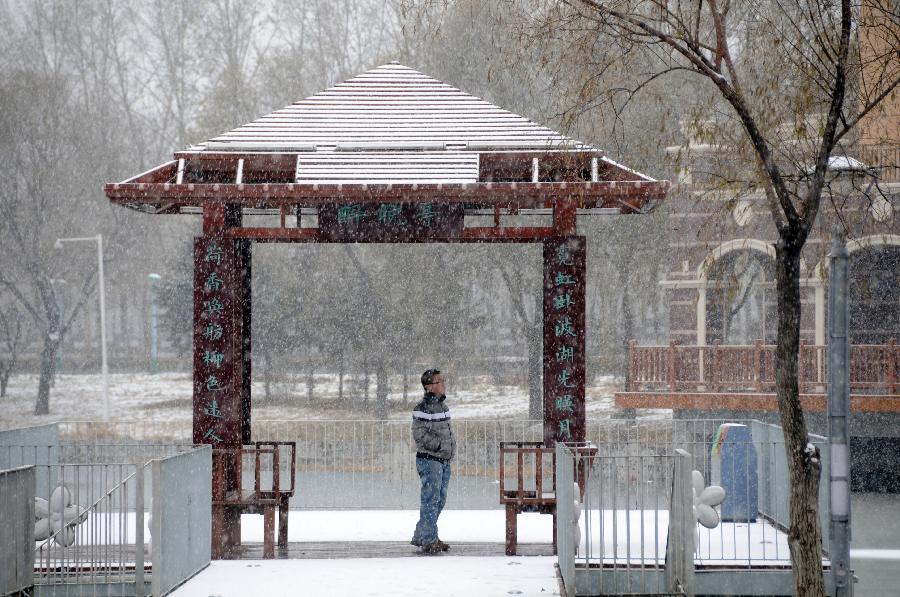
<point x="154" y="355"/>
<point x="103" y="366"/>
<point x="59" y="298"/>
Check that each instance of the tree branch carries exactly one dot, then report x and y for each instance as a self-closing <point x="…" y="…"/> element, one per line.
<point x="868" y="108"/>
<point x="704" y="67"/>
<point x="829" y="134"/>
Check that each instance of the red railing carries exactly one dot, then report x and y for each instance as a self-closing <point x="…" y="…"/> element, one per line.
<point x="874" y="368"/>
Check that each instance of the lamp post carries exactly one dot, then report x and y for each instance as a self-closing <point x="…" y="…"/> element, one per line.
<point x="103" y="366"/>
<point x="839" y="416"/>
<point x="59" y="298"/>
<point x="154" y="354"/>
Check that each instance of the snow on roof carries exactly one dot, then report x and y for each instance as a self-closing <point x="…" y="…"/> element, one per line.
<point x="836" y="162"/>
<point x="842" y="163"/>
<point x="387" y="167"/>
<point x="391" y="108"/>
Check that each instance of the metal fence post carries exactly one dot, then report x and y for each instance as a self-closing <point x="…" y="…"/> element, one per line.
<point x="17" y="524"/>
<point x="155" y="527"/>
<point x="679" y="568"/>
<point x="839" y="417"/>
<point x="139" y="589"/>
<point x="565" y="503"/>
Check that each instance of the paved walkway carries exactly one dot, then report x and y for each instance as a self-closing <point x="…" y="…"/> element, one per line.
<point x="875" y="544"/>
<point x="434" y="576"/>
<point x="386" y="549"/>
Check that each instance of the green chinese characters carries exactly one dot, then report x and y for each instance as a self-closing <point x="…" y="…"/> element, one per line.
<point x="389" y="213"/>
<point x="350" y="214"/>
<point x="212" y="331"/>
<point x="213" y="307"/>
<point x="565" y="429"/>
<point x="214" y="282"/>
<point x="213" y="254"/>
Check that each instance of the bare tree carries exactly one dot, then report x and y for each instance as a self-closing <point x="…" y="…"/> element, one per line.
<point x="322" y="42"/>
<point x="526" y="298"/>
<point x="787" y="82"/>
<point x="11" y="330"/>
<point x="233" y="51"/>
<point x="67" y="96"/>
<point x="33" y="213"/>
<point x="177" y="85"/>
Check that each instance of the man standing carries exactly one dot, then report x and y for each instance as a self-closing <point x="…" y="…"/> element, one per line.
<point x="435" y="447"/>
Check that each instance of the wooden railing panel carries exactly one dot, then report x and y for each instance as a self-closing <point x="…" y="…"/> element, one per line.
<point x="718" y="368"/>
<point x="688" y="366"/>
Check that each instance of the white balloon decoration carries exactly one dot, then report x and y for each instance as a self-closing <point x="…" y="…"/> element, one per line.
<point x="58" y="517"/>
<point x="576" y="515"/>
<point x="41" y="508"/>
<point x="705" y="500"/>
<point x="60" y="498"/>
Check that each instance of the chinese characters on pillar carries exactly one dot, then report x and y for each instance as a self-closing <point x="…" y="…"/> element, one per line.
<point x="564" y="358"/>
<point x="385" y="222"/>
<point x="214" y="395"/>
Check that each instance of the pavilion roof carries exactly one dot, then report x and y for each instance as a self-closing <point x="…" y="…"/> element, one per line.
<point x="390" y="108"/>
<point x="391" y="134"/>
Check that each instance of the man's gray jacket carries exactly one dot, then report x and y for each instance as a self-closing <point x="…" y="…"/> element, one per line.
<point x="431" y="428"/>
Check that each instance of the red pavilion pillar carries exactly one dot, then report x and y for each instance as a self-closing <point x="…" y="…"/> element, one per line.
<point x="564" y="345"/>
<point x="221" y="343"/>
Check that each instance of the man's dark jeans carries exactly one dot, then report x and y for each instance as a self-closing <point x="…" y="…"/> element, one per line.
<point x="435" y="477"/>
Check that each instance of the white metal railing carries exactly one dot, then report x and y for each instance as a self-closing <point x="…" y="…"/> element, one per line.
<point x="93" y="542"/>
<point x="370" y="464"/>
<point x="631" y="506"/>
<point x="680" y="545"/>
<point x="100" y="540"/>
<point x="628" y="513"/>
<point x="638" y="529"/>
<point x="565" y="514"/>
<point x="16" y="530"/>
<point x="182" y="526"/>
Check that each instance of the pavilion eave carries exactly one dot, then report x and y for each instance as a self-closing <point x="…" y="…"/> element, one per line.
<point x="627" y="196"/>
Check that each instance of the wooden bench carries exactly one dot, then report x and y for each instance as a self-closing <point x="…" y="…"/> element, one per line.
<point x="258" y="500"/>
<point x="533" y="460"/>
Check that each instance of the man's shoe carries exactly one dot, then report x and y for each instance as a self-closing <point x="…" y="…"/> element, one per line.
<point x="432" y="548"/>
<point x="442" y="545"/>
<point x="416" y="541"/>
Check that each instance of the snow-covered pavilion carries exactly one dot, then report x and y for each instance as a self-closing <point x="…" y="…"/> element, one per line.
<point x="391" y="155"/>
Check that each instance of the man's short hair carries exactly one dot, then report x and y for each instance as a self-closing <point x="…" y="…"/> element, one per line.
<point x="428" y="377"/>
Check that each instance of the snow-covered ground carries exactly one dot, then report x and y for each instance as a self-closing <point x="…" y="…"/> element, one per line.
<point x="470" y="526"/>
<point x="451" y="574"/>
<point x="166" y="398"/>
<point x="327" y="526"/>
<point x="434" y="576"/>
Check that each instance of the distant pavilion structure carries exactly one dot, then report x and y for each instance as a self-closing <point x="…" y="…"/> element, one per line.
<point x="389" y="156"/>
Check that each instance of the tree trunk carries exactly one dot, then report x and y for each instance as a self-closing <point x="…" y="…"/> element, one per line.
<point x="48" y="363"/>
<point x="627" y="325"/>
<point x="381" y="390"/>
<point x="122" y="338"/>
<point x="4" y="381"/>
<point x="310" y="381"/>
<point x="804" y="465"/>
<point x="535" y="340"/>
<point x="341" y="377"/>
<point x="625" y="342"/>
<point x="267" y="376"/>
<point x="366" y="384"/>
